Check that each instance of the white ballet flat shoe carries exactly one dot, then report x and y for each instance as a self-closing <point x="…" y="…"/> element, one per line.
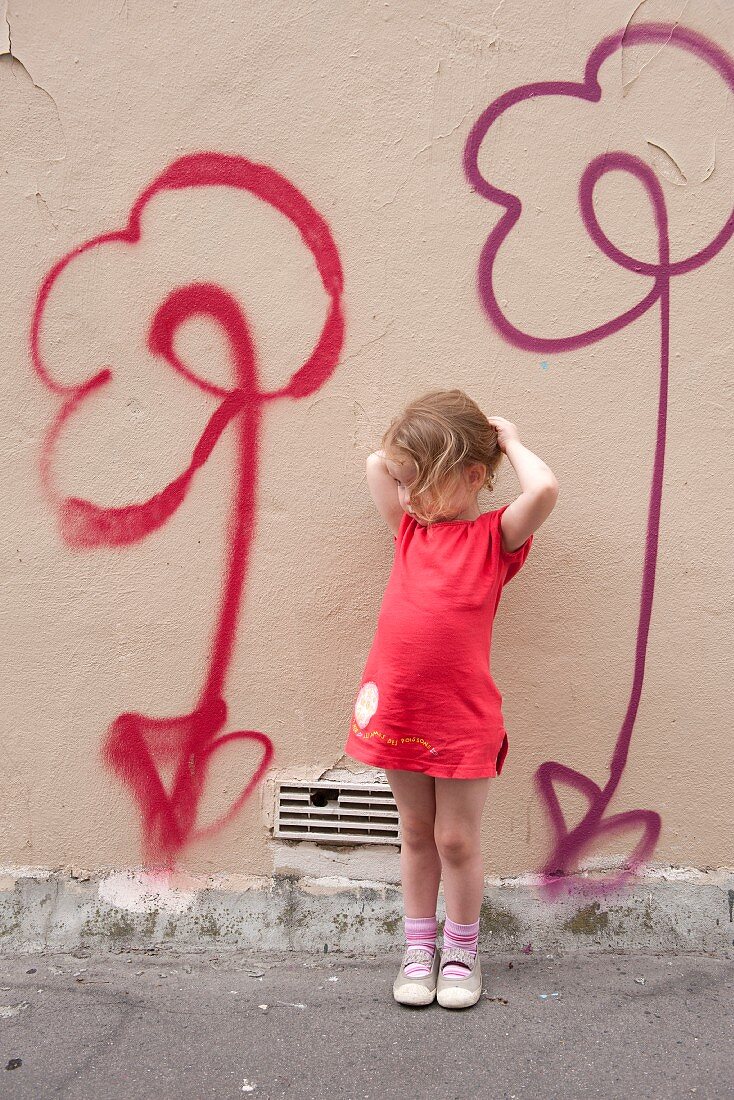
<point x="459" y="992"/>
<point x="417" y="990"/>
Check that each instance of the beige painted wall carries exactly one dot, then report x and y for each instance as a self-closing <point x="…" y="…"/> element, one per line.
<point x="365" y="108"/>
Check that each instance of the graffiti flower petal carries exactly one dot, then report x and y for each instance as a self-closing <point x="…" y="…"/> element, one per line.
<point x="145" y="416"/>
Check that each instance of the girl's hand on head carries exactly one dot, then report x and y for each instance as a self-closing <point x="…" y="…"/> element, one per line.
<point x="506" y="431"/>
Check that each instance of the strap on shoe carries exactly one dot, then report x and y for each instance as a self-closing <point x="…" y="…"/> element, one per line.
<point x="418" y="954"/>
<point x="457" y="954"/>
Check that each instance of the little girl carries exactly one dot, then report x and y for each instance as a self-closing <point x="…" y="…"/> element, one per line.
<point x="428" y="711"/>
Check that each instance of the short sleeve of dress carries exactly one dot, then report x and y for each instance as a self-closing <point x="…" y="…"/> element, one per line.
<point x="510" y="563"/>
<point x="404" y="521"/>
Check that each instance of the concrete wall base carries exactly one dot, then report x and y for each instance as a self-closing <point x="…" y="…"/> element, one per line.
<point x="669" y="909"/>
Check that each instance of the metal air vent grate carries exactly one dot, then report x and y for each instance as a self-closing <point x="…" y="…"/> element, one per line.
<point x="348" y="813"/>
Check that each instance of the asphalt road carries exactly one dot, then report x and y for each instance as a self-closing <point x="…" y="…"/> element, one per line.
<point x="585" y="1024"/>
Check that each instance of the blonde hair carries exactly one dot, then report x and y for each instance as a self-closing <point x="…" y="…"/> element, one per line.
<point x="443" y="432"/>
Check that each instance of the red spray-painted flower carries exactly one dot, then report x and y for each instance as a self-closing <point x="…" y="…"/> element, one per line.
<point x="139" y="747"/>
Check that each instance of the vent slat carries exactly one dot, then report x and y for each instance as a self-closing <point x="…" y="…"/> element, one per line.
<point x="371" y="835"/>
<point x="339" y="811"/>
<point x="385" y="824"/>
<point x="343" y="796"/>
<point x="325" y="827"/>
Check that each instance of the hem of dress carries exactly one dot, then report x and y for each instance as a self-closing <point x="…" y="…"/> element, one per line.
<point x="428" y="767"/>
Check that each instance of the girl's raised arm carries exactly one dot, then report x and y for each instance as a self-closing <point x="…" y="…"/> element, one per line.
<point x="384" y="490"/>
<point x="538" y="483"/>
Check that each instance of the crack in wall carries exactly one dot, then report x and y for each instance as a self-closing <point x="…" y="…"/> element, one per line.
<point x="627" y="84"/>
<point x="17" y="67"/>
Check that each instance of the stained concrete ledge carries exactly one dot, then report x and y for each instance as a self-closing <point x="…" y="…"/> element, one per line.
<point x="670" y="909"/>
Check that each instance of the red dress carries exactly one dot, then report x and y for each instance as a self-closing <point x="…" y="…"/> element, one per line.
<point x="427" y="701"/>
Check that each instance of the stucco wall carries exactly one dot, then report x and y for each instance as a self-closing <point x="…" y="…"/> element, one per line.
<point x="355" y="259"/>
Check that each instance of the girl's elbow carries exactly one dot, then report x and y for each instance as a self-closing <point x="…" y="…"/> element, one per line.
<point x="548" y="486"/>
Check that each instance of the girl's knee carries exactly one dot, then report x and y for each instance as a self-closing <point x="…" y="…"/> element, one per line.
<point x="417" y="833"/>
<point x="456" y="845"/>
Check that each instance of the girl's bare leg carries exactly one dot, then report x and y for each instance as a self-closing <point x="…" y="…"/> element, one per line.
<point x="420" y="865"/>
<point x="459" y="806"/>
